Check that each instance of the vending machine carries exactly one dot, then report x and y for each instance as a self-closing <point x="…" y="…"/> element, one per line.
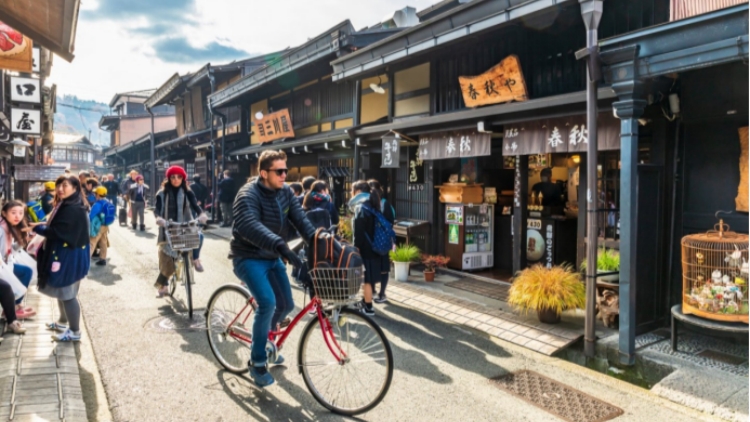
<point x="469" y="239"/>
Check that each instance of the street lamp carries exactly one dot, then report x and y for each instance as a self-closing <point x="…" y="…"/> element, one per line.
<point x="19" y="147"/>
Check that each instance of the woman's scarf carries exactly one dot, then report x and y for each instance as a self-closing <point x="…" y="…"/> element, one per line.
<point x="320" y="197"/>
<point x="358" y="200"/>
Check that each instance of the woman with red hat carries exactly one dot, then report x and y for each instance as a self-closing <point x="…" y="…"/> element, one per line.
<point x="176" y="202"/>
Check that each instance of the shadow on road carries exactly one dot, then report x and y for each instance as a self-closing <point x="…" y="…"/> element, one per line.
<point x="105" y="275"/>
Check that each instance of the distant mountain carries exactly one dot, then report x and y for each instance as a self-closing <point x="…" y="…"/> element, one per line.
<point x="75" y="115"/>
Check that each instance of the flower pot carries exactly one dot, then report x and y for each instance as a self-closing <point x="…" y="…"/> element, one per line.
<point x="402" y="271"/>
<point x="548" y="316"/>
<point x="429" y="275"/>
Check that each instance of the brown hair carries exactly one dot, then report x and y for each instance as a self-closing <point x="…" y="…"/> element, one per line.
<point x="16" y="231"/>
<point x="267" y="158"/>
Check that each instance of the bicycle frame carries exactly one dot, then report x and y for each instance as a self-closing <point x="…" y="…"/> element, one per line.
<point x="325" y="325"/>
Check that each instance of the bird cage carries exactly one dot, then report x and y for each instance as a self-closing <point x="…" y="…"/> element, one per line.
<point x="715" y="274"/>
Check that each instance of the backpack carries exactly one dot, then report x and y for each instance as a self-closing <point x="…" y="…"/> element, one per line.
<point x="325" y="251"/>
<point x="384" y="236"/>
<point x="110" y="213"/>
<point x="36" y="212"/>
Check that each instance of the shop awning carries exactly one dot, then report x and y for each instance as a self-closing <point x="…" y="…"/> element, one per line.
<point x="334" y="172"/>
<point x="560" y="135"/>
<point x="297" y="145"/>
<point x="50" y="23"/>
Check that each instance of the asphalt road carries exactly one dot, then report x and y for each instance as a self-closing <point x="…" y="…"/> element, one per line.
<point x="441" y="370"/>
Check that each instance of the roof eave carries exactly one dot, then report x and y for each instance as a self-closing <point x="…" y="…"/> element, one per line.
<point x="162" y="93"/>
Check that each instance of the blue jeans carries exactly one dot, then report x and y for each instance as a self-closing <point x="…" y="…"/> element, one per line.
<point x="197" y="252"/>
<point x="23" y="273"/>
<point x="269" y="285"/>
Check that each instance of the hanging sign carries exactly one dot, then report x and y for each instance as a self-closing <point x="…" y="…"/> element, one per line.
<point x="569" y="134"/>
<point x="15" y="50"/>
<point x="274" y="126"/>
<point x="391" y="153"/>
<point x="24" y="90"/>
<point x="502" y="83"/>
<point x="25" y="121"/>
<point x="459" y="144"/>
<point x="416" y="167"/>
<point x="36" y="60"/>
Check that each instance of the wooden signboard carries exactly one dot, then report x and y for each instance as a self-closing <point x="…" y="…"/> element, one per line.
<point x="502" y="83"/>
<point x="15" y="50"/>
<point x="274" y="126"/>
<point x="742" y="191"/>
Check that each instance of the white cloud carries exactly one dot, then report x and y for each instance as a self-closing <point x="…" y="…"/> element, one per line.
<point x="111" y="57"/>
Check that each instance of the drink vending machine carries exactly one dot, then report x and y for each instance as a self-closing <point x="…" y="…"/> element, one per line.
<point x="469" y="232"/>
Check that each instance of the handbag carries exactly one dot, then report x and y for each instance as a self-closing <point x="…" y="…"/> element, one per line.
<point x="68" y="265"/>
<point x="34" y="245"/>
<point x="6" y="274"/>
<point x="22" y="257"/>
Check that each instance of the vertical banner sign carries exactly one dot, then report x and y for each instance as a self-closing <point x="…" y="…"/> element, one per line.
<point x="502" y="83"/>
<point x="25" y="121"/>
<point x="36" y="60"/>
<point x="274" y="126"/>
<point x="24" y="90"/>
<point x="517" y="185"/>
<point x="15" y="50"/>
<point x="416" y="167"/>
<point x="391" y="153"/>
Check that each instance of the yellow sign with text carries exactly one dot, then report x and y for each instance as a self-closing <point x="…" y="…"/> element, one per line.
<point x="504" y="82"/>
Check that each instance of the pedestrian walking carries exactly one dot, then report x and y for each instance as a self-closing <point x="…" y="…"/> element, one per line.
<point x="365" y="204"/>
<point x="48" y="198"/>
<point x="63" y="260"/>
<point x="227" y="192"/>
<point x="315" y="206"/>
<point x="390" y="214"/>
<point x="113" y="189"/>
<point x="200" y="190"/>
<point x="331" y="207"/>
<point x="12" y="237"/>
<point x="7" y="301"/>
<point x="174" y="202"/>
<point x="91" y="184"/>
<point x="264" y="209"/>
<point x="125" y="187"/>
<point x="137" y="195"/>
<point x="307" y="183"/>
<point x="299" y="193"/>
<point x="101" y="216"/>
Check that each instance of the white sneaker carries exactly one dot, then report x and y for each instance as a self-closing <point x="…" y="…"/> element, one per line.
<point x="67" y="335"/>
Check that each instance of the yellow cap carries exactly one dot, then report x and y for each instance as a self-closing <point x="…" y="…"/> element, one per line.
<point x="49" y="185"/>
<point x="101" y="191"/>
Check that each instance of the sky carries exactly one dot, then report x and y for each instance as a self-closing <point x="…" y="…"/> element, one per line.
<point x="138" y="44"/>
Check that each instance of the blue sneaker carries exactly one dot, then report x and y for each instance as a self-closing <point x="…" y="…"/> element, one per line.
<point x="260" y="376"/>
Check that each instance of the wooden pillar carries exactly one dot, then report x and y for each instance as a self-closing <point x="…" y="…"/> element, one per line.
<point x="520" y="215"/>
<point x="629" y="108"/>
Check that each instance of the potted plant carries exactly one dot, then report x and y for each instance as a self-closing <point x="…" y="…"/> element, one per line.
<point x="402" y="256"/>
<point x="345" y="228"/>
<point x="431" y="262"/>
<point x="607" y="261"/>
<point x="548" y="291"/>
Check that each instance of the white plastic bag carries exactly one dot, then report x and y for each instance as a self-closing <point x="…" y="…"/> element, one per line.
<point x="22" y="257"/>
<point x="6" y="274"/>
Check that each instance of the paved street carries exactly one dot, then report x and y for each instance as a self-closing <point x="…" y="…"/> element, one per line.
<point x="151" y="373"/>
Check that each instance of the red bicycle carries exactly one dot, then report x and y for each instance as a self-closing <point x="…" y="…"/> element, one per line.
<point x="348" y="367"/>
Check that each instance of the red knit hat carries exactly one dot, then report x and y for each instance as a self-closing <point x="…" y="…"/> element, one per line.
<point x="176" y="170"/>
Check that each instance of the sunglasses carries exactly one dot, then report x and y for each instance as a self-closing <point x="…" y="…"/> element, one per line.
<point x="279" y="172"/>
<point x="175" y="176"/>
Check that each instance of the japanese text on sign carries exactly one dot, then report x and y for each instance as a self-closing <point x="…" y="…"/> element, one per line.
<point x="391" y="152"/>
<point x="274" y="126"/>
<point x="502" y="83"/>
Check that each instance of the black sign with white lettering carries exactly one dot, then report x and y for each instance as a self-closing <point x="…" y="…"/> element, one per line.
<point x="459" y="144"/>
<point x="560" y="135"/>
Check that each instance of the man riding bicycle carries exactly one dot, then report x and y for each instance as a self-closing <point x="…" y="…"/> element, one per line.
<point x="175" y="202"/>
<point x="263" y="210"/>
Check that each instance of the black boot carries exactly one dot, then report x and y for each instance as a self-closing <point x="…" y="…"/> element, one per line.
<point x="135" y="226"/>
<point x="143" y="227"/>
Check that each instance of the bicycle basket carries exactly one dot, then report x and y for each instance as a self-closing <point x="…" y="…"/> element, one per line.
<point x="183" y="238"/>
<point x="338" y="286"/>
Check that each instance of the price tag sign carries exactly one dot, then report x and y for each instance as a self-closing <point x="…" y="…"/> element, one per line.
<point x="534" y="223"/>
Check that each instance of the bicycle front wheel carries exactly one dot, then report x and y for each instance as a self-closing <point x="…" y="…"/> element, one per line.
<point x="349" y="368"/>
<point x="189" y="277"/>
<point x="230" y="303"/>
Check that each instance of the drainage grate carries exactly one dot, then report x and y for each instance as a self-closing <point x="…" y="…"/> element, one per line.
<point x="721" y="357"/>
<point x="562" y="401"/>
<point x="177" y="322"/>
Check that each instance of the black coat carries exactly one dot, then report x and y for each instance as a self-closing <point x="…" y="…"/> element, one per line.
<point x="227" y="190"/>
<point x="69" y="227"/>
<point x="262" y="218"/>
<point x="113" y="188"/>
<point x="201" y="192"/>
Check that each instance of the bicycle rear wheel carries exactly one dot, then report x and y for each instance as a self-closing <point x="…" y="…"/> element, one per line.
<point x="189" y="277"/>
<point x="363" y="379"/>
<point x="229" y="303"/>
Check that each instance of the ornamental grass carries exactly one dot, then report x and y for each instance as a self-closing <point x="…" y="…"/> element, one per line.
<point x="538" y="288"/>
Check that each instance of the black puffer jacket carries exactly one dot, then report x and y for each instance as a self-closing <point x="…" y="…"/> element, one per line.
<point x="262" y="218"/>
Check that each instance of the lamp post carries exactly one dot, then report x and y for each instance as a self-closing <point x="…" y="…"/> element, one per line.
<point x="591" y="11"/>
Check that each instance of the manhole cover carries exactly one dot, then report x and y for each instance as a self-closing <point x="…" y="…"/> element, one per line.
<point x="562" y="401"/>
<point x="721" y="357"/>
<point x="177" y="322"/>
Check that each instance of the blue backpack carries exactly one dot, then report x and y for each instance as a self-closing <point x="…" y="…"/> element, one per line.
<point x="384" y="236"/>
<point x="110" y="213"/>
<point x="35" y="210"/>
